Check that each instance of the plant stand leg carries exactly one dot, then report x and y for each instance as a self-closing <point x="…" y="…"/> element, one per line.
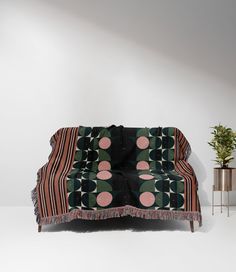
<point x="212" y="200"/>
<point x="39" y="228"/>
<point x="228" y="203"/>
<point x="200" y="222"/>
<point x="192" y="226"/>
<point x="221" y="201"/>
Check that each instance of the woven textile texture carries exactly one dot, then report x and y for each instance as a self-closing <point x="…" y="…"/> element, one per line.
<point x="103" y="172"/>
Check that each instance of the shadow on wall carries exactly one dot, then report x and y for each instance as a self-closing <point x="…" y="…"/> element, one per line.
<point x="201" y="174"/>
<point x="199" y="34"/>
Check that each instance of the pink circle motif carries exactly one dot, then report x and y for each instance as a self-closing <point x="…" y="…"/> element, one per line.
<point x="142" y="165"/>
<point x="146" y="176"/>
<point x="104" y="143"/>
<point x="104" y="175"/>
<point x="104" y="165"/>
<point x="104" y="199"/>
<point x="142" y="142"/>
<point x="147" y="199"/>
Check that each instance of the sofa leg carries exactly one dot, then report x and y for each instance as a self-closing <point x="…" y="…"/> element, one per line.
<point x="200" y="222"/>
<point x="192" y="226"/>
<point x="39" y="228"/>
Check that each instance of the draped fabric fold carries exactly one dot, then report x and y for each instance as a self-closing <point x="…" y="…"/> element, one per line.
<point x="103" y="172"/>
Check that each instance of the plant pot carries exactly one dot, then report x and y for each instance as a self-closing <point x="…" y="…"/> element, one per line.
<point x="223" y="178"/>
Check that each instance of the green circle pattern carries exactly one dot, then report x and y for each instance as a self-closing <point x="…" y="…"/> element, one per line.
<point x="167" y="185"/>
<point x="84" y="131"/>
<point x="177" y="187"/>
<point x="162" y="199"/>
<point x="73" y="185"/>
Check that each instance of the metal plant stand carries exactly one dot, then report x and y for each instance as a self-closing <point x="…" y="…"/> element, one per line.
<point x="221" y="205"/>
<point x="224" y="181"/>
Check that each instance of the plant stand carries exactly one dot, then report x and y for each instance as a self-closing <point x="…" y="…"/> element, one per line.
<point x="221" y="205"/>
<point x="224" y="181"/>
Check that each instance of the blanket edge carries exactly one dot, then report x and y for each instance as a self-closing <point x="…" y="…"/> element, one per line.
<point x="119" y="212"/>
<point x="35" y="202"/>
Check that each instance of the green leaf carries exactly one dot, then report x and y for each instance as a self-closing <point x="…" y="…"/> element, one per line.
<point x="224" y="143"/>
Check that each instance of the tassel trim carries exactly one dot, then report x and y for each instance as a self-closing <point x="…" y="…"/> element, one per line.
<point x="114" y="212"/>
<point x="35" y="202"/>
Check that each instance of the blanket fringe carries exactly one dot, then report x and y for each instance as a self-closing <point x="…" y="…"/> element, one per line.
<point x="120" y="212"/>
<point x="35" y="202"/>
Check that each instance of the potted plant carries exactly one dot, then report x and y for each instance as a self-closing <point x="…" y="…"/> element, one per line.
<point x="223" y="143"/>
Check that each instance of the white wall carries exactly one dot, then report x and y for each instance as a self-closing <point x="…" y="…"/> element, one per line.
<point x="135" y="63"/>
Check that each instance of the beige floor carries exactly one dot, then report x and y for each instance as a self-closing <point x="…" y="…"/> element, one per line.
<point x="124" y="244"/>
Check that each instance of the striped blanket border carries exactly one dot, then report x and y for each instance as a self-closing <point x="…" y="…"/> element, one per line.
<point x="50" y="194"/>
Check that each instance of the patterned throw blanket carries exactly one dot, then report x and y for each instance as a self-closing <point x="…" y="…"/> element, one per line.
<point x="103" y="172"/>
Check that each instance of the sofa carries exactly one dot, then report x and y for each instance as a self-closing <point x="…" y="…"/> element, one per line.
<point x="95" y="173"/>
